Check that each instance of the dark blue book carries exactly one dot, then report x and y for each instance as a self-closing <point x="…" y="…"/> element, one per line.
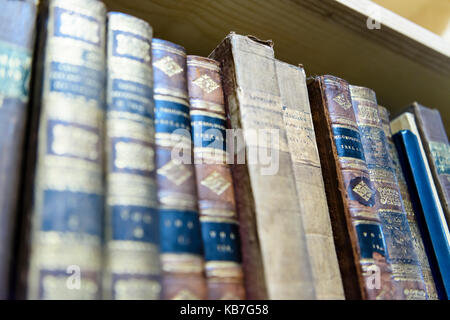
<point x="432" y="224"/>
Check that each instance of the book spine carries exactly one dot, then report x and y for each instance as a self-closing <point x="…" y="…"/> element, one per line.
<point x="406" y="201"/>
<point x="16" y="53"/>
<point x="181" y="239"/>
<point x="437" y="148"/>
<point x="132" y="226"/>
<point x="275" y="258"/>
<point x="217" y="207"/>
<point x="432" y="225"/>
<point x="309" y="181"/>
<point x="406" y="270"/>
<point x="359" y="239"/>
<point x="69" y="191"/>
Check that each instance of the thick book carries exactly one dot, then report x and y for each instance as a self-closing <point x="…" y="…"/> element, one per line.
<point x="437" y="148"/>
<point x="131" y="269"/>
<point x="274" y="249"/>
<point x="406" y="201"/>
<point x="425" y="199"/>
<point x="217" y="206"/>
<point x="309" y="182"/>
<point x="406" y="269"/>
<point x="357" y="228"/>
<point x="65" y="243"/>
<point x="181" y="247"/>
<point x="17" y="38"/>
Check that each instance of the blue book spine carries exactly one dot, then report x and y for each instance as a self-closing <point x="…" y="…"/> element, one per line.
<point x="132" y="225"/>
<point x="66" y="240"/>
<point x="432" y="225"/>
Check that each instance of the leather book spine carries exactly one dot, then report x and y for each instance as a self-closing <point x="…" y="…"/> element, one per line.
<point x="309" y="181"/>
<point x="437" y="149"/>
<point x="432" y="225"/>
<point x="357" y="229"/>
<point x="217" y="207"/>
<point x="17" y="38"/>
<point x="66" y="239"/>
<point x="406" y="201"/>
<point x="275" y="257"/>
<point x="132" y="226"/>
<point x="406" y="270"/>
<point x="180" y="232"/>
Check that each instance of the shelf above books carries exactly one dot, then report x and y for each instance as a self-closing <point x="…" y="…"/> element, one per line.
<point x="401" y="61"/>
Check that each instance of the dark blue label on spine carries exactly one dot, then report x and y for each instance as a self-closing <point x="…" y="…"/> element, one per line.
<point x="180" y="232"/>
<point x="208" y="132"/>
<point x="375" y="147"/>
<point x="171" y="116"/>
<point x="135" y="223"/>
<point x="348" y="143"/>
<point x="130" y="96"/>
<point x="371" y="240"/>
<point x="221" y="241"/>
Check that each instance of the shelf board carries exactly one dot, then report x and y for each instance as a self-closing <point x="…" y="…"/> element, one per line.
<point x="401" y="61"/>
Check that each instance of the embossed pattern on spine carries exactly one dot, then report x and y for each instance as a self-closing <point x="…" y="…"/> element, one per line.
<point x="181" y="239"/>
<point x="309" y="181"/>
<point x="16" y="50"/>
<point x="406" y="200"/>
<point x="132" y="225"/>
<point x="359" y="240"/>
<point x="275" y="258"/>
<point x="406" y="270"/>
<point x="69" y="190"/>
<point x="220" y="227"/>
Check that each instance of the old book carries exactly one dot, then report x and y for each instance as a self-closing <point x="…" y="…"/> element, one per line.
<point x="132" y="225"/>
<point x="425" y="199"/>
<point x="180" y="233"/>
<point x="406" y="269"/>
<point x="17" y="38"/>
<point x="275" y="257"/>
<point x="437" y="149"/>
<point x="217" y="207"/>
<point x="357" y="228"/>
<point x="308" y="178"/>
<point x="67" y="214"/>
<point x="406" y="201"/>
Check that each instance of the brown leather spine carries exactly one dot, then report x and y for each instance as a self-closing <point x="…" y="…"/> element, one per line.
<point x="181" y="249"/>
<point x="406" y="270"/>
<point x="215" y="190"/>
<point x="406" y="200"/>
<point x="437" y="149"/>
<point x="356" y="226"/>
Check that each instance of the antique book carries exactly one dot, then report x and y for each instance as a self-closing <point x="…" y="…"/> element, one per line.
<point x="132" y="225"/>
<point x="65" y="244"/>
<point x="401" y="254"/>
<point x="424" y="198"/>
<point x="217" y="207"/>
<point x="406" y="201"/>
<point x="437" y="148"/>
<point x="180" y="233"/>
<point x="359" y="240"/>
<point x="274" y="249"/>
<point x="308" y="178"/>
<point x="17" y="38"/>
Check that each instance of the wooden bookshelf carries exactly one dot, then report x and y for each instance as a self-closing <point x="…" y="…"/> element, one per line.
<point x="401" y="61"/>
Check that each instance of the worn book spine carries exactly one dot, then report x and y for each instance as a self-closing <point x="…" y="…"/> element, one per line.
<point x="406" y="270"/>
<point x="275" y="257"/>
<point x="437" y="149"/>
<point x="359" y="239"/>
<point x="406" y="201"/>
<point x="180" y="233"/>
<point x="217" y="207"/>
<point x="66" y="239"/>
<point x="132" y="225"/>
<point x="17" y="38"/>
<point x="309" y="181"/>
<point x="424" y="202"/>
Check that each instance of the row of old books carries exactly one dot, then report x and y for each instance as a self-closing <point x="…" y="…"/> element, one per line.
<point x="134" y="171"/>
